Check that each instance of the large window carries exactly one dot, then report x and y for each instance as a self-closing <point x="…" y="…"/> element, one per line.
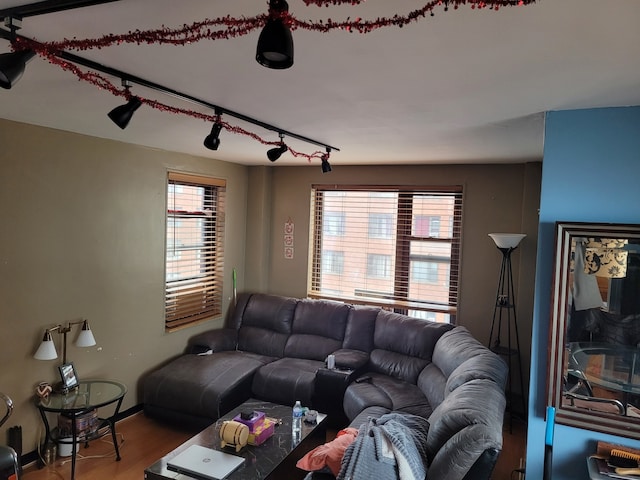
<point x="400" y="247"/>
<point x="195" y="249"/>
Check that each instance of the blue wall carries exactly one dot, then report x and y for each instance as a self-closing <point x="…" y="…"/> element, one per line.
<point x="590" y="173"/>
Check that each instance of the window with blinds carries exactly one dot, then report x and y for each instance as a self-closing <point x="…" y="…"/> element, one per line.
<point x="195" y="249"/>
<point x="396" y="247"/>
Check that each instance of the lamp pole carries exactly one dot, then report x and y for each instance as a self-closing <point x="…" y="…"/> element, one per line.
<point x="505" y="304"/>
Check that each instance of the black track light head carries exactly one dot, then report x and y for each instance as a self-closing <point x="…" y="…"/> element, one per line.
<point x="275" y="153"/>
<point x="326" y="167"/>
<point x="12" y="66"/>
<point x="275" y="44"/>
<point x="122" y="115"/>
<point x="212" y="141"/>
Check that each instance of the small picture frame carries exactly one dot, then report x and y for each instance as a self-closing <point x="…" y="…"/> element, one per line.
<point x="68" y="375"/>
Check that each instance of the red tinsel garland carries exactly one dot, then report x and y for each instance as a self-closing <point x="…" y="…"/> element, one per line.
<point x="226" y="28"/>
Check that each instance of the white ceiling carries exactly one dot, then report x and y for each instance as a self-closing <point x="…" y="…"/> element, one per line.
<point x="464" y="86"/>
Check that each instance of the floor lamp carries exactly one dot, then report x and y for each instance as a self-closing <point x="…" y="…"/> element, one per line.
<point x="504" y="315"/>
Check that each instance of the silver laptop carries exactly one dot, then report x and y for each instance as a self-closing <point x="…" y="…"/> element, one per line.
<point x="206" y="463"/>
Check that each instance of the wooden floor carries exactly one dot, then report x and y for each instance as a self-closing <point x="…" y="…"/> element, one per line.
<point x="514" y="447"/>
<point x="143" y="441"/>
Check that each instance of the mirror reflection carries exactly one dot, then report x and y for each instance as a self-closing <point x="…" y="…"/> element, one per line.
<point x="595" y="334"/>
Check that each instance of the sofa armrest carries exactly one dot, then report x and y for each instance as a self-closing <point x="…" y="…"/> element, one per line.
<point x="483" y="467"/>
<point x="351" y="359"/>
<point x="216" y="340"/>
<point x="463" y="430"/>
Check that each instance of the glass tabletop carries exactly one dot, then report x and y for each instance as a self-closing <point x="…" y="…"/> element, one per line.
<point x="615" y="367"/>
<point x="88" y="395"/>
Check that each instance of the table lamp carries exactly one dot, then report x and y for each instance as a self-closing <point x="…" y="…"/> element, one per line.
<point x="47" y="349"/>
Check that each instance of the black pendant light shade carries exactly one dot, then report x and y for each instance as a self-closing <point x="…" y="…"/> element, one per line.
<point x="212" y="141"/>
<point x="12" y="67"/>
<point x="122" y="115"/>
<point x="275" y="44"/>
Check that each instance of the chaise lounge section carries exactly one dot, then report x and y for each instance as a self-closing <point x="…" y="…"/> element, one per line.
<point x="274" y="348"/>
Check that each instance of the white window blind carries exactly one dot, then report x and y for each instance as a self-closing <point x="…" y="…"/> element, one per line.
<point x="195" y="249"/>
<point x="400" y="247"/>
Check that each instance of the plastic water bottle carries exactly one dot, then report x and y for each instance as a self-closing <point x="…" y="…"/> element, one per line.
<point x="297" y="419"/>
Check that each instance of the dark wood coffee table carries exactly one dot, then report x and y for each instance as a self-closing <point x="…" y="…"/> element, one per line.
<point x="275" y="459"/>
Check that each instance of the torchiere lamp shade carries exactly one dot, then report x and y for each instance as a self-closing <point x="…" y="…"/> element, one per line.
<point x="507" y="240"/>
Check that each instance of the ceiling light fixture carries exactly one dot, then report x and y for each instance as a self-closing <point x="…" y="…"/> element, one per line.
<point x="212" y="141"/>
<point x="326" y="167"/>
<point x="122" y="115"/>
<point x="275" y="153"/>
<point x="12" y="65"/>
<point x="275" y="44"/>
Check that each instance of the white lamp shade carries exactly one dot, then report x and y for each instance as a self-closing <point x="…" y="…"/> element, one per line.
<point x="47" y="349"/>
<point x="85" y="337"/>
<point x="507" y="240"/>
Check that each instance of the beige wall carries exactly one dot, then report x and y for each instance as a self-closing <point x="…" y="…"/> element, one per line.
<point x="497" y="198"/>
<point x="83" y="237"/>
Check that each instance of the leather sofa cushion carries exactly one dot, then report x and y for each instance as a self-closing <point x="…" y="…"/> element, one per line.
<point x="403" y="345"/>
<point x="320" y="317"/>
<point x="266" y="324"/>
<point x="199" y="384"/>
<point x="360" y="326"/>
<point x="432" y="384"/>
<point x="317" y="330"/>
<point x="286" y="380"/>
<point x="215" y="340"/>
<point x="397" y="365"/>
<point x="385" y="392"/>
<point x="461" y="358"/>
<point x="311" y="347"/>
<point x="408" y="335"/>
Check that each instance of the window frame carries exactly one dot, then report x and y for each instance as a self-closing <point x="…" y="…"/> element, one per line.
<point x="196" y="297"/>
<point x="397" y="300"/>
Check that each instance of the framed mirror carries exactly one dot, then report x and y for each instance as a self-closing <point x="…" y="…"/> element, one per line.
<point x="594" y="336"/>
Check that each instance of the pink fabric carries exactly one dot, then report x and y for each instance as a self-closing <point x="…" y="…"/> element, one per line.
<point x="330" y="454"/>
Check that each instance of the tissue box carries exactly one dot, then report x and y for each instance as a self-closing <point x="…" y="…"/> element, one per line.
<point x="253" y="423"/>
<point x="261" y="433"/>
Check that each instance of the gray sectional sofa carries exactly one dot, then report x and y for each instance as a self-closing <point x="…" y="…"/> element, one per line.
<point x="274" y="348"/>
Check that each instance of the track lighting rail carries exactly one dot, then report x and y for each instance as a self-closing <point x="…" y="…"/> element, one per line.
<point x="169" y="91"/>
<point x="48" y="6"/>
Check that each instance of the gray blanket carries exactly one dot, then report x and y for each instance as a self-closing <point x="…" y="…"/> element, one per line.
<point x="392" y="447"/>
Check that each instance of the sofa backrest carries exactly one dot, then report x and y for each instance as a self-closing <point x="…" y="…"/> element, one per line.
<point x="402" y="345"/>
<point x="265" y="324"/>
<point x="361" y="324"/>
<point x="457" y="359"/>
<point x="317" y="330"/>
